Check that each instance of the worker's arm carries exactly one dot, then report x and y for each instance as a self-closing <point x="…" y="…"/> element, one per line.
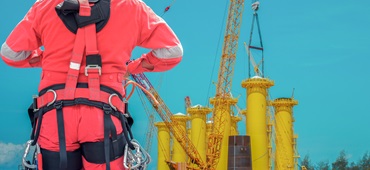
<point x="156" y="35"/>
<point x="21" y="48"/>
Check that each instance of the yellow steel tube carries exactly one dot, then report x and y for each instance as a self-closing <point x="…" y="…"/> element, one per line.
<point x="163" y="146"/>
<point x="222" y="114"/>
<point x="179" y="155"/>
<point x="198" y="128"/>
<point x="284" y="158"/>
<point x="256" y="120"/>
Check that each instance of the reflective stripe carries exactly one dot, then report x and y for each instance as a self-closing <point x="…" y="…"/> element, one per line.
<point x="8" y="53"/>
<point x="167" y="53"/>
<point x="75" y="66"/>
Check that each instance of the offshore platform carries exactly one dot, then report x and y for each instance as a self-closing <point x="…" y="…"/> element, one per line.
<point x="214" y="143"/>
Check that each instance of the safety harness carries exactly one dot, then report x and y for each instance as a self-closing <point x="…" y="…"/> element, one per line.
<point x="85" y="21"/>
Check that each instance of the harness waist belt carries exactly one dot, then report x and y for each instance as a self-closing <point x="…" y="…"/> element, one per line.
<point x="107" y="95"/>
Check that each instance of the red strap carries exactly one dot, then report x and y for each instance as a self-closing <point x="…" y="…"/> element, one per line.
<point x="93" y="73"/>
<point x="85" y="37"/>
<point x="75" y="64"/>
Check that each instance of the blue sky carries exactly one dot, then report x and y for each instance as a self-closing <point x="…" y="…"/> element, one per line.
<point x="320" y="48"/>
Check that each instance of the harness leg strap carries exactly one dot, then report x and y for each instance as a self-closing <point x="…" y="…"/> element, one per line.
<point x="51" y="160"/>
<point x="61" y="135"/>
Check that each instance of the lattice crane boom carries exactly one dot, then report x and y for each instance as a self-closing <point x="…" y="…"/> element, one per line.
<point x="166" y="114"/>
<point x="224" y="82"/>
<point x="230" y="47"/>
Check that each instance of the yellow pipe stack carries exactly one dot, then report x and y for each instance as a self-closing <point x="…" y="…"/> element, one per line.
<point x="163" y="146"/>
<point x="284" y="157"/>
<point x="234" y="125"/>
<point x="178" y="154"/>
<point x="223" y="117"/>
<point x="199" y="128"/>
<point x="256" y="120"/>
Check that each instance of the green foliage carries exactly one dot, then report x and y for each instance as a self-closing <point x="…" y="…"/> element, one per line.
<point x="323" y="165"/>
<point x="307" y="163"/>
<point x="341" y="163"/>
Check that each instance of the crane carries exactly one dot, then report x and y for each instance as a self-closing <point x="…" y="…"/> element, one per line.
<point x="259" y="47"/>
<point x="149" y="133"/>
<point x="165" y="113"/>
<point x="224" y="83"/>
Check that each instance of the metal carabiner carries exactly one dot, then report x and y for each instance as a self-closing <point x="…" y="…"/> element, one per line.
<point x="137" y="158"/>
<point x="110" y="101"/>
<point x="55" y="96"/>
<point x="26" y="151"/>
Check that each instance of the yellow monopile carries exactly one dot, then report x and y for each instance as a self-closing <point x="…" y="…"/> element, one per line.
<point x="178" y="154"/>
<point x="222" y="118"/>
<point x="284" y="155"/>
<point x="199" y="128"/>
<point x="163" y="146"/>
<point x="256" y="120"/>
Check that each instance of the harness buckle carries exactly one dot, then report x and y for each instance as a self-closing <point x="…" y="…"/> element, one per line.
<point x="107" y="109"/>
<point x="58" y="104"/>
<point x="34" y="104"/>
<point x="88" y="67"/>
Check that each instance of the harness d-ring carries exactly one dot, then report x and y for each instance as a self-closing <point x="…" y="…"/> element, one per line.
<point x="55" y="96"/>
<point x="110" y="101"/>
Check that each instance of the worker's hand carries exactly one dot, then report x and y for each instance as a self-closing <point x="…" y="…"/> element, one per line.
<point x="139" y="65"/>
<point x="127" y="74"/>
<point x="36" y="57"/>
<point x="147" y="65"/>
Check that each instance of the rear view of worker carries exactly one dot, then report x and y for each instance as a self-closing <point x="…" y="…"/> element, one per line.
<point x="79" y="118"/>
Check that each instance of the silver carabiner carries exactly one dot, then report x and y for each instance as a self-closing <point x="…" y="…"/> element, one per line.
<point x="137" y="158"/>
<point x="26" y="151"/>
<point x="55" y="96"/>
<point x="110" y="101"/>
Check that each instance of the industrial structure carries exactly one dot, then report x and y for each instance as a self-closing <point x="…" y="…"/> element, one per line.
<point x="191" y="141"/>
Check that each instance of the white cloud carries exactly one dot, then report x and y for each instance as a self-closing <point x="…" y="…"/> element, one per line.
<point x="10" y="154"/>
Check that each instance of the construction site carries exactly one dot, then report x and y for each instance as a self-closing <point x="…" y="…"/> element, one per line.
<point x="207" y="137"/>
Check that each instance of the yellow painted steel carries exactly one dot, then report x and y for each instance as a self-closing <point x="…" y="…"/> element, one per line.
<point x="234" y="125"/>
<point x="209" y="125"/>
<point x="163" y="146"/>
<point x="256" y="120"/>
<point x="178" y="154"/>
<point x="198" y="128"/>
<point x="284" y="158"/>
<point x="223" y="117"/>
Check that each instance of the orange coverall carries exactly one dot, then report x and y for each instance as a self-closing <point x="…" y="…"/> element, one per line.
<point x="131" y="23"/>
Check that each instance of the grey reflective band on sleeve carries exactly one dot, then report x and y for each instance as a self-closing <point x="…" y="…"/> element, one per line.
<point x="167" y="53"/>
<point x="8" y="53"/>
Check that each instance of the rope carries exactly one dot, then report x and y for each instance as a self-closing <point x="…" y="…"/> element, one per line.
<point x="214" y="61"/>
<point x="134" y="84"/>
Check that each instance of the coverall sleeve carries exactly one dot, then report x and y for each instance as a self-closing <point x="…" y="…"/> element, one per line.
<point x="155" y="34"/>
<point x="21" y="48"/>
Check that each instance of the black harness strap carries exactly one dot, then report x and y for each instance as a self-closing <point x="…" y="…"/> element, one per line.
<point x="61" y="135"/>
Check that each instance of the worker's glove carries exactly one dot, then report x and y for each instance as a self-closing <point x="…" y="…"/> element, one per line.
<point x="36" y="58"/>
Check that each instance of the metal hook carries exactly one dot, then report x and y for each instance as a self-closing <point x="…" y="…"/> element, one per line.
<point x="55" y="96"/>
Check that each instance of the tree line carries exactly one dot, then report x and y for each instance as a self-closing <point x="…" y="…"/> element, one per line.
<point x="341" y="163"/>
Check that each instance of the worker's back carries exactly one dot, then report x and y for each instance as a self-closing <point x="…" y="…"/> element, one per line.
<point x="129" y="25"/>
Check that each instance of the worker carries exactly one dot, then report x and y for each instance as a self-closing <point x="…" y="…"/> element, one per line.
<point x="84" y="49"/>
